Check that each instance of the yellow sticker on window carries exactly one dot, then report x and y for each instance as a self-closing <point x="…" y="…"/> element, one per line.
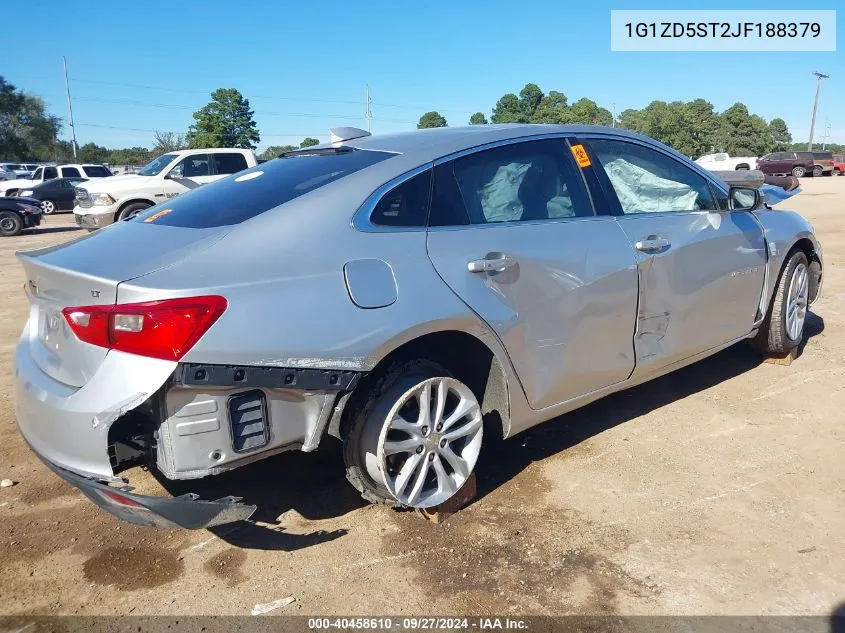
<point x="580" y="155"/>
<point x="156" y="216"/>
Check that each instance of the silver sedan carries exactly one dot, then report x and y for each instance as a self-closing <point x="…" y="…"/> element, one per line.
<point x="406" y="293"/>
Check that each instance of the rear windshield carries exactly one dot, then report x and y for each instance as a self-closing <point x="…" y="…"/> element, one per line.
<point x="250" y="193"/>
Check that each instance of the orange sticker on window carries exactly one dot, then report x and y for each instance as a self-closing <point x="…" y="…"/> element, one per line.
<point x="156" y="216"/>
<point x="580" y="155"/>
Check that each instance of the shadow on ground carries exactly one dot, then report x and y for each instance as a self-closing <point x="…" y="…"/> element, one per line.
<point x="51" y="229"/>
<point x="557" y="435"/>
<point x="314" y="484"/>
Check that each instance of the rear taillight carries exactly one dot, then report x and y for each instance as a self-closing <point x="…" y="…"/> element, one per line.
<point x="159" y="329"/>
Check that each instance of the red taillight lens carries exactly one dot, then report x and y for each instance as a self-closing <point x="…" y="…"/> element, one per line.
<point x="159" y="329"/>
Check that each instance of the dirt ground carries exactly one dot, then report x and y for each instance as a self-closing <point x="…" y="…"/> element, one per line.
<point x="716" y="490"/>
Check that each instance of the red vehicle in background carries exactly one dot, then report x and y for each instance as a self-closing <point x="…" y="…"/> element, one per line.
<point x="839" y="164"/>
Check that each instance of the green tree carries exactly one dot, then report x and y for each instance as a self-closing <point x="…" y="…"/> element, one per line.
<point x="508" y="110"/>
<point x="225" y="122"/>
<point x="27" y="132"/>
<point x="274" y="150"/>
<point x="737" y="131"/>
<point x="529" y="98"/>
<point x="164" y="142"/>
<point x="309" y="142"/>
<point x="478" y="119"/>
<point x="779" y="134"/>
<point x="553" y="108"/>
<point x="431" y="119"/>
<point x="587" y="111"/>
<point x="702" y="124"/>
<point x="631" y="119"/>
<point x="92" y="153"/>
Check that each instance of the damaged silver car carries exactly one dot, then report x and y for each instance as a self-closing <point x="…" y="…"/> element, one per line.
<point x="406" y="293"/>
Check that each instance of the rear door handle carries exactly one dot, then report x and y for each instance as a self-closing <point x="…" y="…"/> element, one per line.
<point x="490" y="265"/>
<point x="653" y="244"/>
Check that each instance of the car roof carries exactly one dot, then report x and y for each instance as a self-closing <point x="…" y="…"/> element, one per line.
<point x="433" y="143"/>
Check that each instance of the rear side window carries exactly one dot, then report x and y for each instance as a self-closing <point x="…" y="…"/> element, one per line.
<point x="522" y="182"/>
<point x="406" y="204"/>
<point x="70" y="172"/>
<point x="250" y="193"/>
<point x="95" y="171"/>
<point x="50" y="173"/>
<point x="228" y="163"/>
<point x="823" y="155"/>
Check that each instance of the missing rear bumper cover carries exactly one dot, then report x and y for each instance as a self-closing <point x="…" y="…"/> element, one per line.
<point x="194" y="374"/>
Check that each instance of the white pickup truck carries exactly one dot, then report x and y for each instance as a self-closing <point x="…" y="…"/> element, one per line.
<point x="725" y="162"/>
<point x="100" y="203"/>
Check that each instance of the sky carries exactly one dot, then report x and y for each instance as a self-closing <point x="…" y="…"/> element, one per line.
<point x="137" y="67"/>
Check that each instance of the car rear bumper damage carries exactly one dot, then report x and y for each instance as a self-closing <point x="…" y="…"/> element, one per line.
<point x="185" y="420"/>
<point x="187" y="511"/>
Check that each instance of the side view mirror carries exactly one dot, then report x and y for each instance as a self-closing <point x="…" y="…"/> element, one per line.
<point x="174" y="174"/>
<point x="744" y="199"/>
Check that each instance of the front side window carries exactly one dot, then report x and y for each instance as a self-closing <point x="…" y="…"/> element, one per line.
<point x="192" y="167"/>
<point x="70" y="172"/>
<point x="406" y="204"/>
<point x="521" y="182"/>
<point x="36" y="175"/>
<point x="648" y="181"/>
<point x="156" y="165"/>
<point x="229" y="163"/>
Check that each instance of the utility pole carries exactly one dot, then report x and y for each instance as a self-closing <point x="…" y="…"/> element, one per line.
<point x="368" y="114"/>
<point x="819" y="78"/>
<point x="69" y="107"/>
<point x="826" y="135"/>
<point x="613" y="105"/>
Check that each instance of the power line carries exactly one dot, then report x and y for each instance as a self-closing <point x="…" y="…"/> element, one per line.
<point x="136" y="129"/>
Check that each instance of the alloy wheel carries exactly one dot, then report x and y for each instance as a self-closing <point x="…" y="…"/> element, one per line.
<point x="48" y="207"/>
<point x="429" y="443"/>
<point x="796" y="302"/>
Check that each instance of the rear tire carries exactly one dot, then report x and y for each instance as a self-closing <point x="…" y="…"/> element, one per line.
<point x="403" y="455"/>
<point x="817" y="171"/>
<point x="798" y="171"/>
<point x="131" y="210"/>
<point x="48" y="207"/>
<point x="11" y="224"/>
<point x="783" y="329"/>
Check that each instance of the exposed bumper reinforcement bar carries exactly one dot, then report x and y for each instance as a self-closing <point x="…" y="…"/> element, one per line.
<point x="187" y="511"/>
<point x="194" y="374"/>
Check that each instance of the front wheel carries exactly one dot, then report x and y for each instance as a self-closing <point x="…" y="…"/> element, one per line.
<point x="416" y="438"/>
<point x="784" y="328"/>
<point x="798" y="171"/>
<point x="10" y="224"/>
<point x="131" y="210"/>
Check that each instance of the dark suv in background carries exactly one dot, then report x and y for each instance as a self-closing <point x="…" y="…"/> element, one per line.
<point x="798" y="164"/>
<point x="823" y="164"/>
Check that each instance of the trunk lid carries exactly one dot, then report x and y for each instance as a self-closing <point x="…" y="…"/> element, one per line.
<point x="87" y="272"/>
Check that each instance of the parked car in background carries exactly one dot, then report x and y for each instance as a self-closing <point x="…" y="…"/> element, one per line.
<point x="48" y="172"/>
<point x="7" y="173"/>
<point x="823" y="163"/>
<point x="725" y="162"/>
<point x="19" y="168"/>
<point x="103" y="202"/>
<point x="839" y="164"/>
<point x="58" y="194"/>
<point x="17" y="214"/>
<point x="406" y="293"/>
<point x="799" y="164"/>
